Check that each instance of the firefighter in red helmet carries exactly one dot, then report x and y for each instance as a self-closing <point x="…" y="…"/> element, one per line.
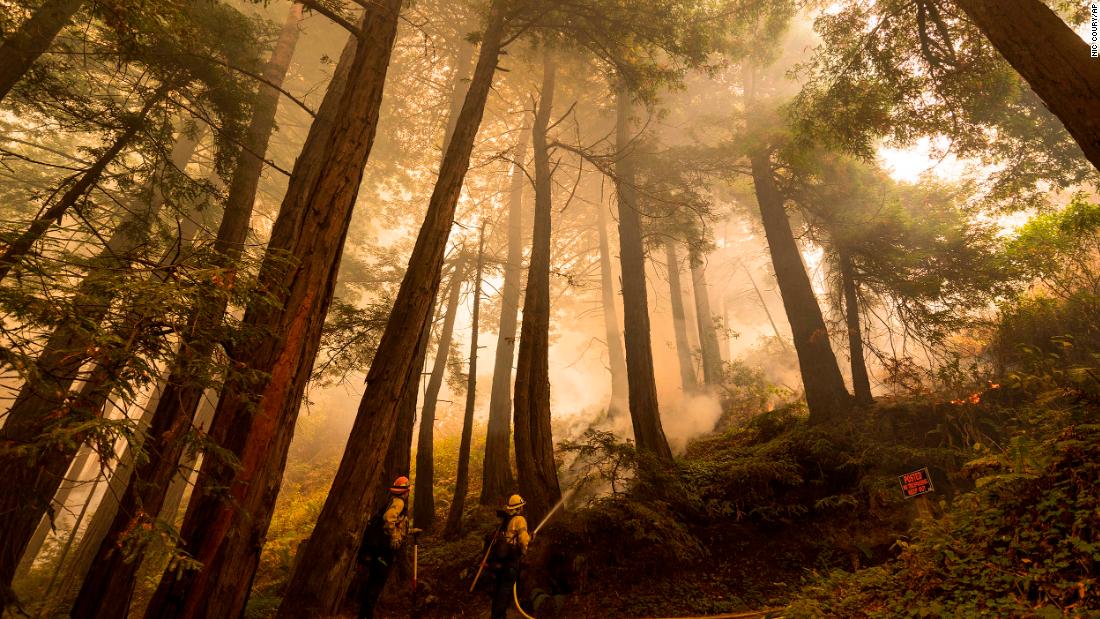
<point x="383" y="542"/>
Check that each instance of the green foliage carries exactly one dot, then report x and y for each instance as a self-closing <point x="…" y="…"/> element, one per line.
<point x="634" y="491"/>
<point x="905" y="70"/>
<point x="746" y="391"/>
<point x="1026" y="542"/>
<point x="1052" y="328"/>
<point x="349" y="339"/>
<point x="1061" y="248"/>
<point x="649" y="45"/>
<point x="916" y="250"/>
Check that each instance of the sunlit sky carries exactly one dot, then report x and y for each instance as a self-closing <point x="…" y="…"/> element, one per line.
<point x="926" y="156"/>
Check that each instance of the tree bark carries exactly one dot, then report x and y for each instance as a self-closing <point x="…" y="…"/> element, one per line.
<point x="33" y="37"/>
<point x="462" y="477"/>
<point x="326" y="561"/>
<point x="44" y="412"/>
<point x="188" y="462"/>
<point x="106" y="591"/>
<point x="424" y="498"/>
<point x="861" y="382"/>
<point x="496" y="473"/>
<point x="1053" y="60"/>
<point x="679" y="323"/>
<point x="616" y="362"/>
<point x="538" y="476"/>
<point x="170" y="514"/>
<point x="644" y="412"/>
<point x="398" y="454"/>
<point x="826" y="395"/>
<point x="231" y="506"/>
<point x="88" y="178"/>
<point x="708" y="335"/>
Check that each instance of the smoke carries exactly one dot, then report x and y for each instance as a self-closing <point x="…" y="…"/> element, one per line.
<point x="691" y="416"/>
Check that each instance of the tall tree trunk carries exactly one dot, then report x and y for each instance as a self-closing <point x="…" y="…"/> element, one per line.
<point x="399" y="452"/>
<point x="107" y="592"/>
<point x="1049" y="55"/>
<point x="826" y="395"/>
<point x="679" y="323"/>
<point x="87" y="179"/>
<point x="189" y="462"/>
<point x="326" y="561"/>
<point x="538" y="475"/>
<point x="616" y="362"/>
<point x="231" y="507"/>
<point x="424" y="498"/>
<point x="644" y="412"/>
<point x="26" y="488"/>
<point x="152" y="565"/>
<point x="496" y="473"/>
<point x="33" y="37"/>
<point x="462" y="476"/>
<point x="861" y="382"/>
<point x="708" y="335"/>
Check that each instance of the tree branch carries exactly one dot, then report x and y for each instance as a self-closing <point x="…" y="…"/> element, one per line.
<point x="314" y="5"/>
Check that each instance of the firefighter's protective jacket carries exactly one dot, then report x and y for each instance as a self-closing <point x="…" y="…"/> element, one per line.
<point x="395" y="522"/>
<point x="516" y="535"/>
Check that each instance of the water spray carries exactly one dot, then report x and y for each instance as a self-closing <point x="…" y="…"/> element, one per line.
<point x="553" y="509"/>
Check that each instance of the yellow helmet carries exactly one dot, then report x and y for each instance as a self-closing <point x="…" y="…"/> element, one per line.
<point x="515" y="503"/>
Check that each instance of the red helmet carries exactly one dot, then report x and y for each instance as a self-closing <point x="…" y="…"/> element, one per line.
<point x="400" y="486"/>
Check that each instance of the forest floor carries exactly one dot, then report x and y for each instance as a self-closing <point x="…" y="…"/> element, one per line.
<point x="735" y="537"/>
<point x="779" y="515"/>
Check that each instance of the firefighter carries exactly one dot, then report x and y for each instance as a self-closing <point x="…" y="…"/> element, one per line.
<point x="511" y="544"/>
<point x="383" y="542"/>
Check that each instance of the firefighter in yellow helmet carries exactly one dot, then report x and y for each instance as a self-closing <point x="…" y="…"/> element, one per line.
<point x="383" y="542"/>
<point x="511" y="544"/>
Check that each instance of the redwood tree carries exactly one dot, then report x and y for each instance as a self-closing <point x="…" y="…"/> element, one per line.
<point x="1049" y="55"/>
<point x="616" y="362"/>
<point x="704" y="320"/>
<point x="644" y="413"/>
<point x="462" y="476"/>
<point x="423" y="508"/>
<point x="538" y="476"/>
<point x="826" y="395"/>
<point x="861" y="382"/>
<point x="231" y="507"/>
<point x="326" y="561"/>
<point x="106" y="591"/>
<point x="42" y="429"/>
<point x="679" y="321"/>
<point x="496" y="472"/>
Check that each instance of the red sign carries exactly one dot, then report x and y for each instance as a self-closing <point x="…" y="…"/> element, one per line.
<point x="916" y="483"/>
